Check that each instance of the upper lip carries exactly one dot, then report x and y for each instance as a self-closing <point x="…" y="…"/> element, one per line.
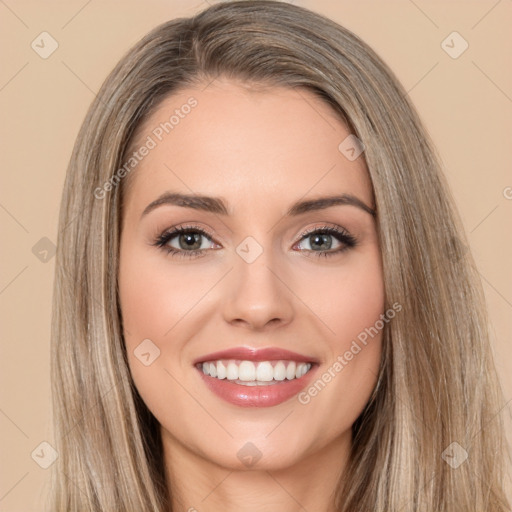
<point x="256" y="354"/>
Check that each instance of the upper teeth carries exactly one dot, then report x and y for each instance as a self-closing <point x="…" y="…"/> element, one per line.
<point x="248" y="371"/>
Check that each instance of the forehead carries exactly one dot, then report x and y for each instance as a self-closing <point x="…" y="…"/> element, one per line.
<point x="247" y="144"/>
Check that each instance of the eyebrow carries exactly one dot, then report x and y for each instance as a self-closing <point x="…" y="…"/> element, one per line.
<point x="218" y="206"/>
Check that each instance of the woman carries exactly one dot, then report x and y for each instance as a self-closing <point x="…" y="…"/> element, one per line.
<point x="262" y="298"/>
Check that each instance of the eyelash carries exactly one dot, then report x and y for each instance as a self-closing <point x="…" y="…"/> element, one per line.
<point x="341" y="235"/>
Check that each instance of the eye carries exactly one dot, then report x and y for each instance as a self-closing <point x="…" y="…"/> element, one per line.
<point x="321" y="238"/>
<point x="188" y="241"/>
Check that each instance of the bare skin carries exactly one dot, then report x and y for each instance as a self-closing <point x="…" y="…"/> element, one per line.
<point x="261" y="151"/>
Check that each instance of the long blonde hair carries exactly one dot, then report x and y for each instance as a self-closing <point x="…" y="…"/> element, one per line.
<point x="437" y="383"/>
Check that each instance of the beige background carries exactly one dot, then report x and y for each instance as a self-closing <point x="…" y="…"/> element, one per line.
<point x="466" y="104"/>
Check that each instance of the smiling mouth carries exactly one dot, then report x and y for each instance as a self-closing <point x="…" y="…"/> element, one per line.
<point x="249" y="377"/>
<point x="251" y="373"/>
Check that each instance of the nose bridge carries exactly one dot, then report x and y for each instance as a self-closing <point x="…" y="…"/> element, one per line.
<point x="257" y="294"/>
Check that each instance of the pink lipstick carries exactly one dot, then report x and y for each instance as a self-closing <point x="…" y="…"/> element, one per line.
<point x="249" y="377"/>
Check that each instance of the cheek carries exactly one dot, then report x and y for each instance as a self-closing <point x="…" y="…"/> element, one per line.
<point x="152" y="301"/>
<point x="154" y="296"/>
<point x="160" y="301"/>
<point x="346" y="299"/>
<point x="351" y="305"/>
<point x="356" y="305"/>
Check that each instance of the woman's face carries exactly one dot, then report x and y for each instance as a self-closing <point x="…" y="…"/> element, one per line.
<point x="266" y="298"/>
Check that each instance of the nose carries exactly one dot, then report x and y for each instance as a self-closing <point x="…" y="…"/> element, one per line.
<point x="257" y="295"/>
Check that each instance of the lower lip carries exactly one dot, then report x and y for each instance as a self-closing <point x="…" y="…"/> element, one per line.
<point x="257" y="396"/>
